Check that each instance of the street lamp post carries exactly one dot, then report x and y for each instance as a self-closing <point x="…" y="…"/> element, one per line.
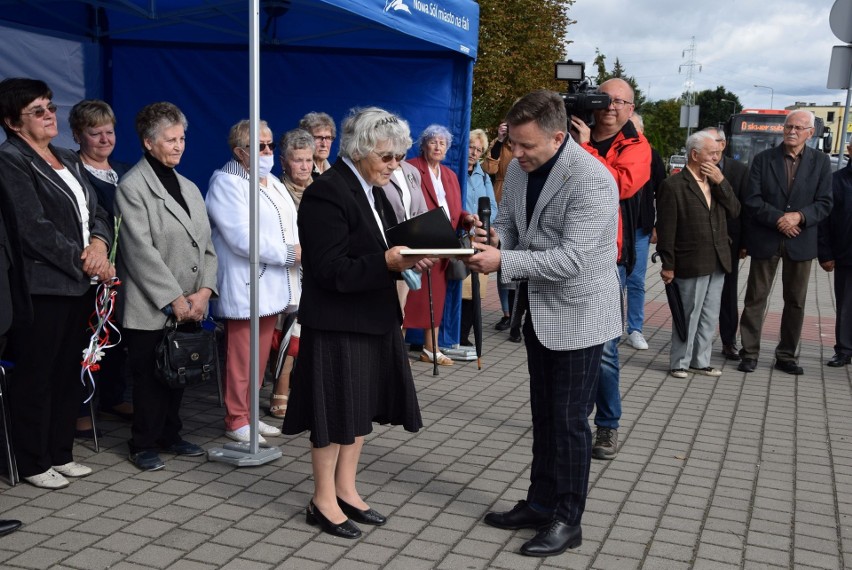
<point x="771" y="95"/>
<point x="733" y="103"/>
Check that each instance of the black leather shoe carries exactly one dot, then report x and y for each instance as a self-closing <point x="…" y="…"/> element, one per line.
<point x="515" y="335"/>
<point x="521" y="516"/>
<point x="730" y="352"/>
<point x="365" y="517"/>
<point x="147" y="460"/>
<point x="747" y="365"/>
<point x="346" y="529"/>
<point x="838" y="360"/>
<point x="502" y="324"/>
<point x="9" y="525"/>
<point x="789" y="366"/>
<point x="553" y="539"/>
<point x="184" y="447"/>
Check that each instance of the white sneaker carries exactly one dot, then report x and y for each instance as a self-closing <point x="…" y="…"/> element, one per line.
<point x="267" y="430"/>
<point x="50" y="479"/>
<point x="637" y="341"/>
<point x="243" y="434"/>
<point x="73" y="469"/>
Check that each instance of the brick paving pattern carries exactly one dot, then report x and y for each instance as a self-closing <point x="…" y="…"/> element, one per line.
<point x="743" y="471"/>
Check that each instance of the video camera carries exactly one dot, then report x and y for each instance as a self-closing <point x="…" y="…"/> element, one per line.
<point x="582" y="97"/>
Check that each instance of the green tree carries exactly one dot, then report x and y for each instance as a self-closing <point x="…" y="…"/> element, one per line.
<point x="519" y="43"/>
<point x="662" y="126"/>
<point x="715" y="106"/>
<point x="617" y="72"/>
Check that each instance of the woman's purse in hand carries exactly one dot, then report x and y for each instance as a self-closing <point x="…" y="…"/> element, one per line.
<point x="187" y="355"/>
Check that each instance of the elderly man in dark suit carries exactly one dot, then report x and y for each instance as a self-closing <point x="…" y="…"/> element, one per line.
<point x="789" y="194"/>
<point x="729" y="313"/>
<point x="556" y="229"/>
<point x="692" y="240"/>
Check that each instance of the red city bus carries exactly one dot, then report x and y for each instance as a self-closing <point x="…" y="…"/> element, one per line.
<point x="752" y="131"/>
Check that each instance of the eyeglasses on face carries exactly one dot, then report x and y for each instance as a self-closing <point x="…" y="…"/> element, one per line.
<point x="389" y="156"/>
<point x="262" y="146"/>
<point x="325" y="139"/>
<point x="796" y="128"/>
<point x="39" y="112"/>
<point x="620" y="103"/>
<point x="476" y="149"/>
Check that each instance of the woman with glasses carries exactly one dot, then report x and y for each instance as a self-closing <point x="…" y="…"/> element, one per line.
<point x="167" y="266"/>
<point x="353" y="367"/>
<point x="321" y="127"/>
<point x="65" y="237"/>
<point x="478" y="186"/>
<point x="441" y="190"/>
<point x="228" y="207"/>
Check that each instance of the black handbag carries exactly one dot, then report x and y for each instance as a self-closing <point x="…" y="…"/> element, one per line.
<point x="187" y="355"/>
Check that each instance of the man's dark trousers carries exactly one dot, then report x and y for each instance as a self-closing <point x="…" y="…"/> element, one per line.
<point x="843" y="297"/>
<point x="563" y="386"/>
<point x="729" y="313"/>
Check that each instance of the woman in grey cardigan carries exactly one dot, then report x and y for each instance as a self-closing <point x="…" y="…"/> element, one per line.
<point x="167" y="265"/>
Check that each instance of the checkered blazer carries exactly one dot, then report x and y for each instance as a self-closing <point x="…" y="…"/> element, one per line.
<point x="568" y="251"/>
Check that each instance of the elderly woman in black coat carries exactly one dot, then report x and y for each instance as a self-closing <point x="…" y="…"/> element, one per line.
<point x="65" y="237"/>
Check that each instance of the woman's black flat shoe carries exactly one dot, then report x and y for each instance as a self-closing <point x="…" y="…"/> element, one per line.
<point x="346" y="529"/>
<point x="364" y="517"/>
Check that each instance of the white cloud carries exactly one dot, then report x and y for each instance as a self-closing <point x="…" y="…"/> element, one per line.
<point x="783" y="44"/>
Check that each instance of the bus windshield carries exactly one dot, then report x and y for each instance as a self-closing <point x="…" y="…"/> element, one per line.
<point x="751" y="133"/>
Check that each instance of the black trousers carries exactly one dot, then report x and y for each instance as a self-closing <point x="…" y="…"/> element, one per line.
<point x="729" y="314"/>
<point x="563" y="387"/>
<point x="45" y="390"/>
<point x="156" y="408"/>
<point x="843" y="323"/>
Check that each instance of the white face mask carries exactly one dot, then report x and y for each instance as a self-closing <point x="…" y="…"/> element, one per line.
<point x="265" y="164"/>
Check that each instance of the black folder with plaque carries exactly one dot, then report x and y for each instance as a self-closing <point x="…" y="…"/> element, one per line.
<point x="428" y="234"/>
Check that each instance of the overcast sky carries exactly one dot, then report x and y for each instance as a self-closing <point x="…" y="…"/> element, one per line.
<point x="782" y="44"/>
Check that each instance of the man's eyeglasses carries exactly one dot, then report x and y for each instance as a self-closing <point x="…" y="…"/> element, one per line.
<point x="262" y="146"/>
<point x="796" y="128"/>
<point x="390" y="156"/>
<point x="325" y="139"/>
<point x="620" y="103"/>
<point x="39" y="112"/>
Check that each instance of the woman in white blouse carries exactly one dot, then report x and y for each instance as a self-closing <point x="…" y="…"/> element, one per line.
<point x="228" y="208"/>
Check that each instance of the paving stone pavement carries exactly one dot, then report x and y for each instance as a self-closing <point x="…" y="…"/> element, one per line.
<point x="743" y="471"/>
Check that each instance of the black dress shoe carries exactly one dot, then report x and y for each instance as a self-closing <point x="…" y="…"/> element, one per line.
<point x="9" y="525"/>
<point x="521" y="516"/>
<point x="838" y="360"/>
<point x="365" y="517"/>
<point x="515" y="335"/>
<point x="147" y="460"/>
<point x="184" y="447"/>
<point x="747" y="365"/>
<point x="789" y="366"/>
<point x="730" y="352"/>
<point x="346" y="529"/>
<point x="553" y="539"/>
<point x="502" y="324"/>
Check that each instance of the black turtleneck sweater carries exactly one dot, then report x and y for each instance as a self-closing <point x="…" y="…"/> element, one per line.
<point x="537" y="178"/>
<point x="168" y="179"/>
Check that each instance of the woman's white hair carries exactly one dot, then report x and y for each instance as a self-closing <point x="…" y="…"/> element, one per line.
<point x="364" y="129"/>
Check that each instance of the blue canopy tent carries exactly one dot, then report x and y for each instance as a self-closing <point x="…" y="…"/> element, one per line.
<point x="413" y="57"/>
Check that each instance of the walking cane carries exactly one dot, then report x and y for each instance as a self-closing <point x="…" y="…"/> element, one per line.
<point x="432" y="324"/>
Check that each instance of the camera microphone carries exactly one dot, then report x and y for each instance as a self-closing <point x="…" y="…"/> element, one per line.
<point x="484" y="213"/>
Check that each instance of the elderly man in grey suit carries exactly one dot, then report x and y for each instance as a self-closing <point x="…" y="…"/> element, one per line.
<point x="789" y="194"/>
<point x="556" y="229"/>
<point x="692" y="239"/>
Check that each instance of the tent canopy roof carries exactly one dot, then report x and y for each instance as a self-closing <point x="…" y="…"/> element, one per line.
<point x="416" y="25"/>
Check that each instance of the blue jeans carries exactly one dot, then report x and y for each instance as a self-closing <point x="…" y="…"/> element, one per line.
<point x="608" y="402"/>
<point x="636" y="284"/>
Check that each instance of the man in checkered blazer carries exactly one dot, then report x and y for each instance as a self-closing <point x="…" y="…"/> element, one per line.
<point x="556" y="230"/>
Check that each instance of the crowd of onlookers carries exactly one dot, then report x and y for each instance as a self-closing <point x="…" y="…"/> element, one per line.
<point x="326" y="269"/>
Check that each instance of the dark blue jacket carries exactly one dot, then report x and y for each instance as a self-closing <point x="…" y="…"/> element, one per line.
<point x="835" y="232"/>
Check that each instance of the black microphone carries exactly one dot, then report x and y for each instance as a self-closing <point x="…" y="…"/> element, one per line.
<point x="484" y="213"/>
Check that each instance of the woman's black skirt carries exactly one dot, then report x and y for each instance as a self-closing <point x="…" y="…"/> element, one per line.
<point x="344" y="381"/>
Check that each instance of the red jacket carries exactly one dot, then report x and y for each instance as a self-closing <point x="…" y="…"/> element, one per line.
<point x="629" y="162"/>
